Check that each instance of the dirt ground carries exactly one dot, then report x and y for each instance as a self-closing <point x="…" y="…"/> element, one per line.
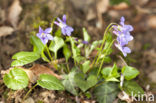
<point x="95" y="15"/>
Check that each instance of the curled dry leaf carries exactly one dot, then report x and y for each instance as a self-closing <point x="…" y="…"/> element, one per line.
<point x="5" y="30"/>
<point x="34" y="72"/>
<point x="14" y="12"/>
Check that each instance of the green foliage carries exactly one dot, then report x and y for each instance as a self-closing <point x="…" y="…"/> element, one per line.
<point x="110" y="73"/>
<point x="16" y="79"/>
<point x="86" y="66"/>
<point x="132" y="87"/>
<point x="66" y="52"/>
<point x="56" y="45"/>
<point x="69" y="83"/>
<point x="116" y="2"/>
<point x="50" y="82"/>
<point x="23" y="58"/>
<point x="85" y="84"/>
<point x="107" y="92"/>
<point x="86" y="35"/>
<point x="129" y="72"/>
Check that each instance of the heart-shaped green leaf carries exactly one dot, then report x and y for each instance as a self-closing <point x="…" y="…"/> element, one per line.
<point x="110" y="73"/>
<point x="132" y="88"/>
<point x="56" y="44"/>
<point x="85" y="84"/>
<point x="38" y="45"/>
<point x="23" y="58"/>
<point x="129" y="72"/>
<point x="69" y="82"/>
<point x="50" y="82"/>
<point x="16" y="79"/>
<point x="107" y="92"/>
<point x="86" y="66"/>
<point x="66" y="52"/>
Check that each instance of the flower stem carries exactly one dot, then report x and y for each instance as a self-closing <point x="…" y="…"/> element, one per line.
<point x="29" y="91"/>
<point x="49" y="53"/>
<point x="104" y="57"/>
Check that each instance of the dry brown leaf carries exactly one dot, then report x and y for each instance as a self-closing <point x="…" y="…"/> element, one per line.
<point x="121" y="6"/>
<point x="38" y="69"/>
<point x="102" y="6"/>
<point x="5" y="30"/>
<point x="152" y="21"/>
<point x="14" y="12"/>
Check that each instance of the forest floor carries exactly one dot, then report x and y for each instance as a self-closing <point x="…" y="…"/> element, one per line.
<point x="18" y="20"/>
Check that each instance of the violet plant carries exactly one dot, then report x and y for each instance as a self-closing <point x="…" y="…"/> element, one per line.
<point x="89" y="74"/>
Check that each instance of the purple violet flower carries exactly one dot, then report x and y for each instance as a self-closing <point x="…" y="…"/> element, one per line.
<point x="122" y="32"/>
<point x="85" y="42"/>
<point x="45" y="35"/>
<point x="66" y="30"/>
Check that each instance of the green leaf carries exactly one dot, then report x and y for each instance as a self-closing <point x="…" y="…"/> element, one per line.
<point x="129" y="72"/>
<point x="58" y="33"/>
<point x="86" y="35"/>
<point x="44" y="57"/>
<point x="86" y="66"/>
<point x="16" y="79"/>
<point x="69" y="82"/>
<point x="56" y="44"/>
<point x="50" y="82"/>
<point x="75" y="50"/>
<point x="85" y="84"/>
<point x="110" y="73"/>
<point x="107" y="92"/>
<point x="23" y="58"/>
<point x="66" y="52"/>
<point x="116" y="2"/>
<point x="38" y="45"/>
<point x="132" y="88"/>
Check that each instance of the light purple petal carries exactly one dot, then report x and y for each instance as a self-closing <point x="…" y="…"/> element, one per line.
<point x="64" y="18"/>
<point x="127" y="50"/>
<point x="44" y="41"/>
<point x="128" y="27"/>
<point x="50" y="37"/>
<point x="39" y="35"/>
<point x="63" y="30"/>
<point x="59" y="19"/>
<point x="48" y="30"/>
<point x="122" y="20"/>
<point x="40" y="30"/>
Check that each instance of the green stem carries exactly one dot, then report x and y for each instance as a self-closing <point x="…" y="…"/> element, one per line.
<point x="67" y="66"/>
<point x="104" y="57"/>
<point x="29" y="91"/>
<point x="49" y="53"/>
<point x="104" y="39"/>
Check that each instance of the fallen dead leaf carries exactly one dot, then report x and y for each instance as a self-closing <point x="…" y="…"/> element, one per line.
<point x="5" y="30"/>
<point x="152" y="76"/>
<point x="152" y="21"/>
<point x="121" y="6"/>
<point x="14" y="12"/>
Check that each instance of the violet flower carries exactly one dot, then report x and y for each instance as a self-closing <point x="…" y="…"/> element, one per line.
<point x="122" y="32"/>
<point x="66" y="30"/>
<point x="45" y="35"/>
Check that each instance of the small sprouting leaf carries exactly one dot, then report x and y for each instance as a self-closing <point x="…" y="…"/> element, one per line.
<point x="107" y="92"/>
<point x="110" y="73"/>
<point x="23" y="58"/>
<point x="56" y="44"/>
<point x="50" y="82"/>
<point x="38" y="45"/>
<point x="116" y="2"/>
<point x="16" y="79"/>
<point x="132" y="88"/>
<point x="85" y="84"/>
<point x="66" y="52"/>
<point x="58" y="32"/>
<point x="69" y="82"/>
<point x="129" y="72"/>
<point x="86" y="35"/>
<point x="86" y="66"/>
